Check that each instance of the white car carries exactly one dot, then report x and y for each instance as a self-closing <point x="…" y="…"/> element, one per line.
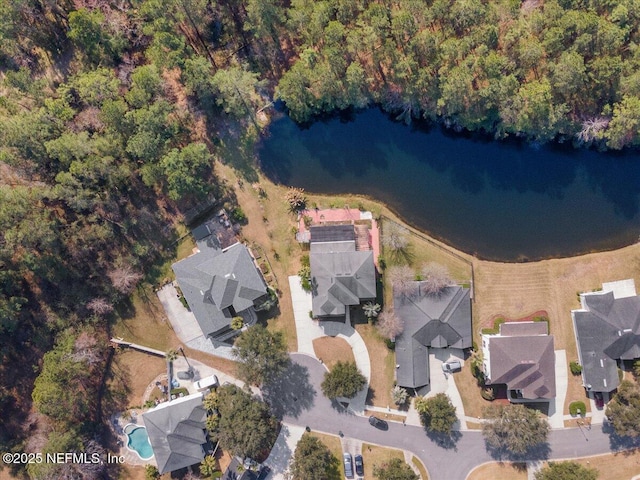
<point x="206" y="383"/>
<point x="451" y="366"/>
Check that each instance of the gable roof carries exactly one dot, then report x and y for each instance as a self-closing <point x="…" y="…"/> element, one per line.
<point x="215" y="280"/>
<point x="430" y="321"/>
<point x="176" y="432"/>
<point x="340" y="276"/>
<point x="607" y="329"/>
<point x="523" y="361"/>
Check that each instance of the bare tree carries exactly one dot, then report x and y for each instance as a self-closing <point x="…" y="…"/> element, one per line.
<point x="591" y="128"/>
<point x="124" y="279"/>
<point x="100" y="306"/>
<point x="395" y="237"/>
<point x="435" y="278"/>
<point x="402" y="278"/>
<point x="389" y="324"/>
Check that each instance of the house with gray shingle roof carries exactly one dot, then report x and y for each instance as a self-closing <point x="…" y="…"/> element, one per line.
<point x="176" y="432"/>
<point x="607" y="329"/>
<point x="220" y="284"/>
<point x="430" y="321"/>
<point x="341" y="275"/>
<point x="521" y="357"/>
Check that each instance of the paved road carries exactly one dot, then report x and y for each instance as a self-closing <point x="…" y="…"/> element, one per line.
<point x="448" y="461"/>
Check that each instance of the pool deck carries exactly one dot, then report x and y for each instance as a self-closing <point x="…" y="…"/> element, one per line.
<point x="118" y="423"/>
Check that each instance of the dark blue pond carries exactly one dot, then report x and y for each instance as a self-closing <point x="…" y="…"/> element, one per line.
<point x="498" y="200"/>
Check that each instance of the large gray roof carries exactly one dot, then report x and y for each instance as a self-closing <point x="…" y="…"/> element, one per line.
<point x="216" y="281"/>
<point x="176" y="432"/>
<point x="340" y="276"/>
<point x="430" y="321"/>
<point x="523" y="361"/>
<point x="607" y="329"/>
<point x="332" y="233"/>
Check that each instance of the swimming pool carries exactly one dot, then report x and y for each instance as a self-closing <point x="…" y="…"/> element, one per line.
<point x="139" y="441"/>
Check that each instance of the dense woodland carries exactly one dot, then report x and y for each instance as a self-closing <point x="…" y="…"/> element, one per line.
<point x="111" y="114"/>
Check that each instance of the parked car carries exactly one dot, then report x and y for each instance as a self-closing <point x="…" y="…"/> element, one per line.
<point x="264" y="472"/>
<point x="378" y="423"/>
<point x="206" y="383"/>
<point x="348" y="465"/>
<point x="599" y="399"/>
<point x="451" y="366"/>
<point x="357" y="461"/>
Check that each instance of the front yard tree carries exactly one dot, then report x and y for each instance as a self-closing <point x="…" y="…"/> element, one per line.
<point x="624" y="410"/>
<point x="312" y="460"/>
<point x="246" y="426"/>
<point x="262" y="355"/>
<point x="435" y="278"/>
<point x="566" y="471"/>
<point x="399" y="395"/>
<point x="389" y="324"/>
<point x="344" y="380"/>
<point x="437" y="413"/>
<point x="514" y="428"/>
<point x="394" y="469"/>
<point x="403" y="280"/>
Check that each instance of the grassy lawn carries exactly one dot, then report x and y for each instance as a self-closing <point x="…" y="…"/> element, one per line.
<point x="383" y="366"/>
<point x="134" y="371"/>
<point x="499" y="470"/>
<point x="421" y="468"/>
<point x="373" y="455"/>
<point x="614" y="466"/>
<point x="333" y="443"/>
<point x="473" y="403"/>
<point x="333" y="349"/>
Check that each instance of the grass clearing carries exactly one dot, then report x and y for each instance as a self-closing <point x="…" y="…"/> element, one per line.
<point x="499" y="470"/>
<point x="466" y="383"/>
<point x="373" y="456"/>
<point x="421" y="468"/>
<point x="383" y="366"/>
<point x="333" y="349"/>
<point x="135" y="371"/>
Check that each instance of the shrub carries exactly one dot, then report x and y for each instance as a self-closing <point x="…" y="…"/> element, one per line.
<point x="391" y="345"/>
<point x="238" y="216"/>
<point x="237" y="323"/>
<point x="178" y="391"/>
<point x="487" y="394"/>
<point x="496" y="327"/>
<point x="575" y="367"/>
<point x="305" y="277"/>
<point x="575" y="406"/>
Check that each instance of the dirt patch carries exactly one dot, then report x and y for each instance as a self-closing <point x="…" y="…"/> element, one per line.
<point x="493" y="470"/>
<point x="330" y="350"/>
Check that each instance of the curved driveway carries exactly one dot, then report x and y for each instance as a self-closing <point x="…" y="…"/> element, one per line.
<point x="444" y="461"/>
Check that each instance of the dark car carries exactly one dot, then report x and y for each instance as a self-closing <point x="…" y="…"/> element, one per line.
<point x="264" y="472"/>
<point x="357" y="461"/>
<point x="348" y="465"/>
<point x="378" y="423"/>
<point x="599" y="400"/>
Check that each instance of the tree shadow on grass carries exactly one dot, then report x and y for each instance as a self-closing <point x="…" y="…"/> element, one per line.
<point x="290" y="393"/>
